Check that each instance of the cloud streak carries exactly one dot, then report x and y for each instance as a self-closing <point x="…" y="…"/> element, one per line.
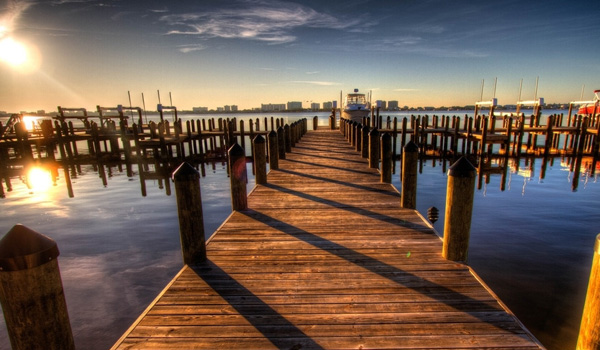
<point x="11" y="12"/>
<point x="272" y="22"/>
<point x="319" y="83"/>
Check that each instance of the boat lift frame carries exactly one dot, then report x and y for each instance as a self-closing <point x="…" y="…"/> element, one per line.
<point x="596" y="102"/>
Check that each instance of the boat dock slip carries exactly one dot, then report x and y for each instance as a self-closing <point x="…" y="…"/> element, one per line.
<point x="325" y="258"/>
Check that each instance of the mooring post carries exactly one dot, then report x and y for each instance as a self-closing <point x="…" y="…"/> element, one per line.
<point x="260" y="159"/>
<point x="189" y="209"/>
<point x="31" y="292"/>
<point x="459" y="210"/>
<point x="315" y="122"/>
<point x="374" y="148"/>
<point x="288" y="138"/>
<point x="273" y="151"/>
<point x="386" y="158"/>
<point x="408" y="176"/>
<point x="237" y="163"/>
<point x="589" y="333"/>
<point x="365" y="141"/>
<point x="281" y="142"/>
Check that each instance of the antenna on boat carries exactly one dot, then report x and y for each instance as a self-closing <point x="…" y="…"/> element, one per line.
<point x="582" y="89"/>
<point x="495" y="83"/>
<point x="536" y="88"/>
<point x="130" y="106"/>
<point x="481" y="96"/>
<point x="144" y="104"/>
<point x="171" y="104"/>
<point x="158" y="93"/>
<point x="519" y="99"/>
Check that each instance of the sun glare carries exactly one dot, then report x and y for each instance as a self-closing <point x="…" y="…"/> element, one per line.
<point x="39" y="179"/>
<point x="21" y="57"/>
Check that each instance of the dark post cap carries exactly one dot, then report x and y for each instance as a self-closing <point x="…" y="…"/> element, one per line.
<point x="411" y="146"/>
<point x="374" y="131"/>
<point x="272" y="133"/>
<point x="236" y="150"/>
<point x="462" y="168"/>
<point x="22" y="249"/>
<point x="185" y="172"/>
<point x="259" y="139"/>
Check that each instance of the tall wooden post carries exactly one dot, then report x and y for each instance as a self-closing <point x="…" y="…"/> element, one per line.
<point x="273" y="151"/>
<point x="288" y="138"/>
<point x="589" y="333"/>
<point x="315" y="122"/>
<point x="374" y="148"/>
<point x="31" y="292"/>
<point x="237" y="164"/>
<point x="260" y="160"/>
<point x="281" y="142"/>
<point x="408" y="176"/>
<point x="189" y="209"/>
<point x="459" y="210"/>
<point x="386" y="158"/>
<point x="365" y="141"/>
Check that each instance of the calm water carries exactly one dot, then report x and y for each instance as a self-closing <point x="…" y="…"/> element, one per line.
<point x="531" y="243"/>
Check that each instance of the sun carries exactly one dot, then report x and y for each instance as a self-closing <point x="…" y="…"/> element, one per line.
<point x="21" y="57"/>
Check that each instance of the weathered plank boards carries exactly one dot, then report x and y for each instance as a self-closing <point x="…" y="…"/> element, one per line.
<point x="325" y="258"/>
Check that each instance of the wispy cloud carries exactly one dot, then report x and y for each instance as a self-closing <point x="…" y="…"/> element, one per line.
<point x="11" y="11"/>
<point x="312" y="73"/>
<point x="268" y="21"/>
<point x="191" y="48"/>
<point x="320" y="83"/>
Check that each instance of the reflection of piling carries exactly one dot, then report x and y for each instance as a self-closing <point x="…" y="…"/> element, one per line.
<point x="31" y="292"/>
<point x="260" y="160"/>
<point x="237" y="163"/>
<point x="459" y="209"/>
<point x="410" y="159"/>
<point x="589" y="333"/>
<point x="189" y="208"/>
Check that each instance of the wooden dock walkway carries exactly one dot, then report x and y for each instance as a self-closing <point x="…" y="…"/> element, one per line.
<point x="325" y="258"/>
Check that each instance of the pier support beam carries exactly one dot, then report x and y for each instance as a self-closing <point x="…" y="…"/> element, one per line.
<point x="374" y="149"/>
<point x="189" y="209"/>
<point x="260" y="159"/>
<point x="459" y="210"/>
<point x="237" y="163"/>
<point x="589" y="333"/>
<point x="31" y="292"/>
<point x="410" y="166"/>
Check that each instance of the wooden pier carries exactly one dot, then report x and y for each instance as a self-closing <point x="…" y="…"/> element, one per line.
<point x="325" y="258"/>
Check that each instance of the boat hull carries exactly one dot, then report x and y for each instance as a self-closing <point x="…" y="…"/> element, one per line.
<point x="589" y="109"/>
<point x="356" y="115"/>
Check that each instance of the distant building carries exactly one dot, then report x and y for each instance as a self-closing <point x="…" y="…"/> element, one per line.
<point x="272" y="107"/>
<point x="315" y="106"/>
<point x="294" y="106"/>
<point x="392" y="105"/>
<point x="227" y="108"/>
<point x="234" y="108"/>
<point x="220" y="109"/>
<point x="381" y="104"/>
<point x="327" y="105"/>
<point x="200" y="109"/>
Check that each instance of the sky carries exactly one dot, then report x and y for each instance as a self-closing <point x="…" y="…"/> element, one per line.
<point x="83" y="53"/>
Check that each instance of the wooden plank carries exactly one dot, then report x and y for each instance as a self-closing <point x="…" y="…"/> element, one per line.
<point x="325" y="258"/>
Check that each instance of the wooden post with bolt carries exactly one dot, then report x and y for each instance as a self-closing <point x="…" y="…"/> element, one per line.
<point x="238" y="176"/>
<point x="189" y="209"/>
<point x="459" y="210"/>
<point x="31" y="292"/>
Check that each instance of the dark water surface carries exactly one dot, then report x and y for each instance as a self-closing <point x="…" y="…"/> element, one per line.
<point x="532" y="243"/>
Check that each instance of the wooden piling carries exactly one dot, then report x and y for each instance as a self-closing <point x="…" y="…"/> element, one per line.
<point x="459" y="209"/>
<point x="365" y="141"/>
<point x="410" y="160"/>
<point x="288" y="138"/>
<point x="374" y="148"/>
<point x="281" y="142"/>
<point x="31" y="292"/>
<point x="273" y="151"/>
<point x="189" y="209"/>
<point x="237" y="169"/>
<point x="386" y="158"/>
<point x="260" y="159"/>
<point x="315" y="122"/>
<point x="589" y="333"/>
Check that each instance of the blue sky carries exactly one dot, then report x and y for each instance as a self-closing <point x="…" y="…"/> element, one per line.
<point x="248" y="52"/>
